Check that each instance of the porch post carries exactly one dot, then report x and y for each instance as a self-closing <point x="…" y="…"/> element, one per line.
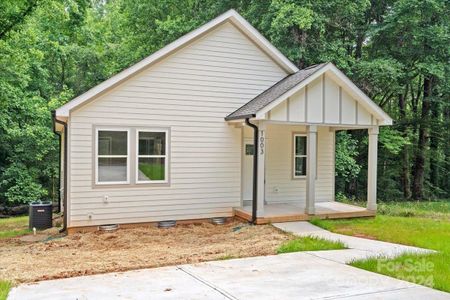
<point x="311" y="169"/>
<point x="372" y="169"/>
<point x="261" y="167"/>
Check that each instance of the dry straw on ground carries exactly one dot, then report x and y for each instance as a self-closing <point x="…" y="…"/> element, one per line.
<point x="22" y="260"/>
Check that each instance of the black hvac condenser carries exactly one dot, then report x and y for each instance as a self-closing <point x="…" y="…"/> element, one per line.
<point x="40" y="216"/>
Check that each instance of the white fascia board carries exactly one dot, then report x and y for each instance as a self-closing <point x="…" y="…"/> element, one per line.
<point x="230" y="15"/>
<point x="360" y="96"/>
<point x="342" y="80"/>
<point x="262" y="42"/>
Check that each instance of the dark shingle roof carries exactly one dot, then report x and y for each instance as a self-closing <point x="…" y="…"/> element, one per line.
<point x="249" y="109"/>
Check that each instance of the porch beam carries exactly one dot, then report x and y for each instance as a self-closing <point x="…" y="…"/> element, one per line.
<point x="261" y="167"/>
<point x="372" y="169"/>
<point x="311" y="169"/>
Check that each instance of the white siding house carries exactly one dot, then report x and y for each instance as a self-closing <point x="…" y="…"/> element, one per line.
<point x="165" y="139"/>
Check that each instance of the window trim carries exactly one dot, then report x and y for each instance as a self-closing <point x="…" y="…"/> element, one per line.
<point x="294" y="155"/>
<point x="166" y="156"/>
<point x="121" y="129"/>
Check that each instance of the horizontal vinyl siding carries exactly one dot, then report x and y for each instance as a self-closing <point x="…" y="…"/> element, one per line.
<point x="279" y="166"/>
<point x="189" y="92"/>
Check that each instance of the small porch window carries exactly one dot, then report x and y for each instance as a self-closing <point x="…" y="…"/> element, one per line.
<point x="152" y="161"/>
<point x="300" y="155"/>
<point x="112" y="160"/>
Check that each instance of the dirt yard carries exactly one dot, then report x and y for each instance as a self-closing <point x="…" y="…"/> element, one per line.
<point x="23" y="259"/>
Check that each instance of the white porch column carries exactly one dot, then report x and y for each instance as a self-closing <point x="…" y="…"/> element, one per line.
<point x="372" y="169"/>
<point x="261" y="167"/>
<point x="311" y="169"/>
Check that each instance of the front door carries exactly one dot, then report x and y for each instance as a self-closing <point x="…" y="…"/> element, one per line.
<point x="247" y="180"/>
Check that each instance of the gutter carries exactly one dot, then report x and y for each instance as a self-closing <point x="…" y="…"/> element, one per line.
<point x="255" y="170"/>
<point x="55" y="120"/>
<point x="239" y="117"/>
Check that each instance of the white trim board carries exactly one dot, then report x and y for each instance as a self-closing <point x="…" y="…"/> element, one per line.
<point x="341" y="79"/>
<point x="231" y="16"/>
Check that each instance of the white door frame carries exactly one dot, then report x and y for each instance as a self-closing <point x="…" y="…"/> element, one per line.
<point x="245" y="180"/>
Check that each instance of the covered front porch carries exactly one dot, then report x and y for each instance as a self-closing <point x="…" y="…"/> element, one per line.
<point x="290" y="212"/>
<point x="295" y="175"/>
<point x="288" y="146"/>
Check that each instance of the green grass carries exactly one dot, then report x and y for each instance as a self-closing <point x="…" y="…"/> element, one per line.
<point x="426" y="209"/>
<point x="13" y="226"/>
<point x="425" y="225"/>
<point x="5" y="286"/>
<point x="430" y="270"/>
<point x="436" y="209"/>
<point x="309" y="243"/>
<point x="226" y="257"/>
<point x="152" y="171"/>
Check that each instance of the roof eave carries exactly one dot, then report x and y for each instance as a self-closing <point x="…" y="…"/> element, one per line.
<point x="242" y="117"/>
<point x="230" y="15"/>
<point x="381" y="115"/>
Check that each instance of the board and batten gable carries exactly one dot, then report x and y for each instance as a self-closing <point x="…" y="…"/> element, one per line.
<point x="322" y="101"/>
<point x="189" y="93"/>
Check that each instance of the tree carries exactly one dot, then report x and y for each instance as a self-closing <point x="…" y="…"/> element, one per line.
<point x="395" y="50"/>
<point x="415" y="34"/>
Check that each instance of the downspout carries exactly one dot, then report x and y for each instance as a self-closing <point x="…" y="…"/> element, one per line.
<point x="55" y="120"/>
<point x="255" y="170"/>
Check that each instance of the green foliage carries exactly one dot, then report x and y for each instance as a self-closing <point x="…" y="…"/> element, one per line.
<point x="21" y="184"/>
<point x="52" y="51"/>
<point x="5" y="286"/>
<point x="392" y="140"/>
<point x="289" y="15"/>
<point x="346" y="151"/>
<point x="378" y="76"/>
<point x="309" y="243"/>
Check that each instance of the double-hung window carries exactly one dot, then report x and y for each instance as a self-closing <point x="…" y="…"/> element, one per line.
<point x="300" y="155"/>
<point x="152" y="163"/>
<point x="112" y="159"/>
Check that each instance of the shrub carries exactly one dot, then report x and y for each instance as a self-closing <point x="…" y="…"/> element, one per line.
<point x="19" y="185"/>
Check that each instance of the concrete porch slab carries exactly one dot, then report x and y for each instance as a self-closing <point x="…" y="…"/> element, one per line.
<point x="284" y="212"/>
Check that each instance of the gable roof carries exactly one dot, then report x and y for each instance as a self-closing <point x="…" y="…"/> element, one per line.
<point x="291" y="84"/>
<point x="271" y="94"/>
<point x="229" y="16"/>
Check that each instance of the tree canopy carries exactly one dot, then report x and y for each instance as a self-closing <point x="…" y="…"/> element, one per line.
<point x="397" y="51"/>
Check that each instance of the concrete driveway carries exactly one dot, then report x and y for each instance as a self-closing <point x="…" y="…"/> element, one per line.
<point x="289" y="276"/>
<point x="302" y="275"/>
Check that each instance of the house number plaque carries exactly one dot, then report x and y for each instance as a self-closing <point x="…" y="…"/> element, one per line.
<point x="261" y="142"/>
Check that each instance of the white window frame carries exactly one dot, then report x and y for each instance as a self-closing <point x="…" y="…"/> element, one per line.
<point x="294" y="155"/>
<point x="165" y="156"/>
<point x="97" y="182"/>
